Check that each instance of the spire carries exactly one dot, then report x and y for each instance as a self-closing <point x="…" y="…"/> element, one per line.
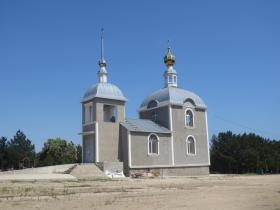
<point x="102" y="73"/>
<point x="170" y="75"/>
<point x="102" y="61"/>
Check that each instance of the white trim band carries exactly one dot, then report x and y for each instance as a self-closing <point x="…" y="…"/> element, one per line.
<point x="96" y="143"/>
<point x="207" y="136"/>
<point x="172" y="140"/>
<point x="129" y="149"/>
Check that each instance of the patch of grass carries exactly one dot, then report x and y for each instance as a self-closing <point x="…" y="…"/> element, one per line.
<point x="4" y="189"/>
<point x="109" y="202"/>
<point x="16" y="203"/>
<point x="15" y="181"/>
<point x="99" y="179"/>
<point x="52" y="193"/>
<point x="193" y="177"/>
<point x="27" y="189"/>
<point x="82" y="185"/>
<point x="135" y="188"/>
<point x="57" y="181"/>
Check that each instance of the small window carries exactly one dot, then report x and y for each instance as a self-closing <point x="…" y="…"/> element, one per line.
<point x="170" y="79"/>
<point x="109" y="113"/>
<point x="175" y="79"/>
<point x="88" y="113"/>
<point x="189" y="118"/>
<point x="153" y="144"/>
<point x="191" y="146"/>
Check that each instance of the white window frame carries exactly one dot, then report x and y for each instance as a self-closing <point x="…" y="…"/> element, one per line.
<point x="148" y="144"/>
<point x="187" y="145"/>
<point x="185" y="113"/>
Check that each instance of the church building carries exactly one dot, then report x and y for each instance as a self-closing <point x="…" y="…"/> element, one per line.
<point x="170" y="137"/>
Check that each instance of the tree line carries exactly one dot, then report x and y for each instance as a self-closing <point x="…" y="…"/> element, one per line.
<point x="19" y="152"/>
<point x="244" y="153"/>
<point x="229" y="153"/>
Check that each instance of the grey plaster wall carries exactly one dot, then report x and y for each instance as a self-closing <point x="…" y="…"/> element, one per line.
<point x="89" y="144"/>
<point x="139" y="150"/>
<point x="124" y="146"/>
<point x="88" y="149"/>
<point x="162" y="115"/>
<point x="109" y="132"/>
<point x="108" y="139"/>
<point x="110" y="166"/>
<point x="186" y="171"/>
<point x="89" y="127"/>
<point x="179" y="171"/>
<point x="180" y="134"/>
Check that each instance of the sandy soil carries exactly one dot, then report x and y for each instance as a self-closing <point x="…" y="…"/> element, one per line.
<point x="207" y="192"/>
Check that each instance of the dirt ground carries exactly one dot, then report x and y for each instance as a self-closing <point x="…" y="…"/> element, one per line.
<point x="207" y="192"/>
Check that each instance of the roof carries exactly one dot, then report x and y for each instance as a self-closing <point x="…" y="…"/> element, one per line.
<point x="173" y="95"/>
<point x="143" y="125"/>
<point x="104" y="90"/>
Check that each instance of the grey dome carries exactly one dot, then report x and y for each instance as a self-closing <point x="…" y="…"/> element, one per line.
<point x="104" y="90"/>
<point x="173" y="95"/>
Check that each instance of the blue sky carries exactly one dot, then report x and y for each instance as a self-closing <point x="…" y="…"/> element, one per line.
<point x="228" y="52"/>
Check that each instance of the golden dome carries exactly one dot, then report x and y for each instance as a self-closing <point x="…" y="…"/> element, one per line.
<point x="169" y="59"/>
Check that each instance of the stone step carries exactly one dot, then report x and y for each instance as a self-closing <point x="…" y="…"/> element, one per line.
<point x="87" y="170"/>
<point x="56" y="169"/>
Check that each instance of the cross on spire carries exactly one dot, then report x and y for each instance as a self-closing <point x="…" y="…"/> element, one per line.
<point x="102" y="61"/>
<point x="102" y="47"/>
<point x="102" y="73"/>
<point x="168" y="44"/>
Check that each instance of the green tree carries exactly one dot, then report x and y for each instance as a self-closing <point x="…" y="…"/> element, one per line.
<point x="246" y="153"/>
<point x="222" y="154"/>
<point x="19" y="148"/>
<point x="57" y="151"/>
<point x="79" y="153"/>
<point x="3" y="153"/>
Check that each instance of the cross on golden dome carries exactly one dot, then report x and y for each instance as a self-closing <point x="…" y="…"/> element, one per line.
<point x="169" y="58"/>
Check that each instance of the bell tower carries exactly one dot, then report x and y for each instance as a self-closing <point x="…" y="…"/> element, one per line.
<point x="103" y="110"/>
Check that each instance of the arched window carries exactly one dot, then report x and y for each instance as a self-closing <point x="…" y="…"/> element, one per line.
<point x="191" y="150"/>
<point x="153" y="144"/>
<point x="152" y="104"/>
<point x="189" y="118"/>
